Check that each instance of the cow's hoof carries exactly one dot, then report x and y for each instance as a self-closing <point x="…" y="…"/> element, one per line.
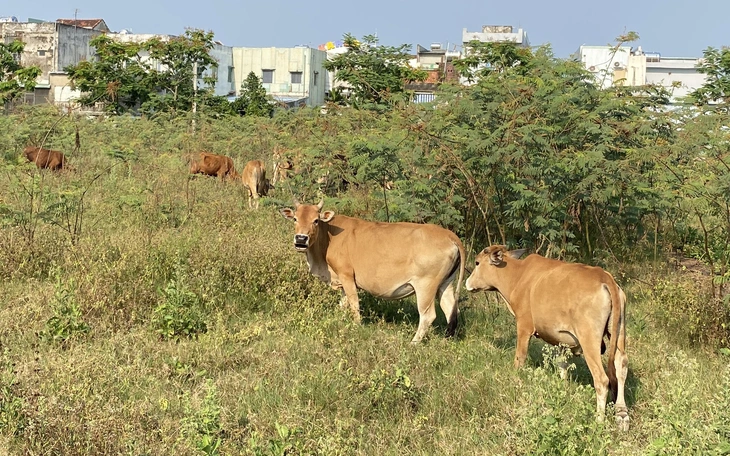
<point x="622" y="422"/>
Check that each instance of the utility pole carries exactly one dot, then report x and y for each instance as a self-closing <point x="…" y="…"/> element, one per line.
<point x="195" y="92"/>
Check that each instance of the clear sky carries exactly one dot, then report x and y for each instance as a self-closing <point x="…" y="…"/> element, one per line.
<point x="676" y="28"/>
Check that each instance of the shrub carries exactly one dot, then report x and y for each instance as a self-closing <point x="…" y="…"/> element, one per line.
<point x="180" y="314"/>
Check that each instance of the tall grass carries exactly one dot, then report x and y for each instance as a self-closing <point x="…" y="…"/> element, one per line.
<point x="272" y="365"/>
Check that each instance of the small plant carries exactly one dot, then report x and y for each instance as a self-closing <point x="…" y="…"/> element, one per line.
<point x="180" y="314"/>
<point x="67" y="320"/>
<point x="285" y="443"/>
<point x="203" y="425"/>
<point x="12" y="419"/>
<point x="386" y="389"/>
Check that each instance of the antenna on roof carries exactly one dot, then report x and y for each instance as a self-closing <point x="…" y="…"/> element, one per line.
<point x="76" y="14"/>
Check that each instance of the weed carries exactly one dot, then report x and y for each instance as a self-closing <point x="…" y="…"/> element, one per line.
<point x="180" y="314"/>
<point x="67" y="321"/>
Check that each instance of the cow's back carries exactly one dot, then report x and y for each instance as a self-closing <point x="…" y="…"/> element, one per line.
<point x="380" y="252"/>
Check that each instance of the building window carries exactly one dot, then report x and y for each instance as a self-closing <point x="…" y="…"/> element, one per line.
<point x="230" y="74"/>
<point x="267" y="76"/>
<point x="314" y="78"/>
<point x="296" y="77"/>
<point x="41" y="52"/>
<point x="214" y="72"/>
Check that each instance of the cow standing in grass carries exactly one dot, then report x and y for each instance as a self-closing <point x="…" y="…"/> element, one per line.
<point x="45" y="158"/>
<point x="562" y="303"/>
<point x="213" y="165"/>
<point x="254" y="179"/>
<point x="388" y="260"/>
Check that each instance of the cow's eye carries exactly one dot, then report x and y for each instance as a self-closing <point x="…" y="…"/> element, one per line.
<point x="295" y="219"/>
<point x="477" y="263"/>
<point x="316" y="221"/>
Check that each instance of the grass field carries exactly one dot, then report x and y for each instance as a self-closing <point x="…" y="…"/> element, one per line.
<point x="172" y="319"/>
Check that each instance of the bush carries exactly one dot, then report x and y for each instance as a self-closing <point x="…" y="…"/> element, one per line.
<point x="181" y="312"/>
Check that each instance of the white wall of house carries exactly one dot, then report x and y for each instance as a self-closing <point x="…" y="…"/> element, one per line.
<point x="287" y="73"/>
<point x="602" y="61"/>
<point x="675" y="70"/>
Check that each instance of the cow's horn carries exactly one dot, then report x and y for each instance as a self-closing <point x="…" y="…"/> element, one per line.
<point x="320" y="205"/>
<point x="296" y="203"/>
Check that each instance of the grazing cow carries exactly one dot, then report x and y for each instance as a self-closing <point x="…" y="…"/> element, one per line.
<point x="45" y="158"/>
<point x="388" y="260"/>
<point x="562" y="303"/>
<point x="254" y="179"/>
<point x="213" y="165"/>
<point x="283" y="166"/>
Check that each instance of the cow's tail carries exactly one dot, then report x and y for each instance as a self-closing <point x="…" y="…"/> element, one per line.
<point x="617" y="339"/>
<point x="453" y="319"/>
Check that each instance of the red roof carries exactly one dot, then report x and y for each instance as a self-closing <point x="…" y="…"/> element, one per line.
<point x="85" y="23"/>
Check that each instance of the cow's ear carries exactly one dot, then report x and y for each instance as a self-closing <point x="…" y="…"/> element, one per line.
<point x="326" y="216"/>
<point x="496" y="257"/>
<point x="516" y="253"/>
<point x="287" y="213"/>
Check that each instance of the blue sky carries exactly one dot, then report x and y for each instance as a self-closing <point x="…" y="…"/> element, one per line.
<point x="676" y="28"/>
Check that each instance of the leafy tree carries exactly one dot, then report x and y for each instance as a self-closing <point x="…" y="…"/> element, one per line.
<point x="119" y="77"/>
<point x="122" y="78"/>
<point x="253" y="100"/>
<point x="374" y="73"/>
<point x="179" y="56"/>
<point x="716" y="67"/>
<point x="14" y="78"/>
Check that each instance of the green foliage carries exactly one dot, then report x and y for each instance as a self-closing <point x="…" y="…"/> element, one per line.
<point x="179" y="56"/>
<point x="374" y="73"/>
<point x="67" y="322"/>
<point x="253" y="100"/>
<point x="715" y="65"/>
<point x="119" y="77"/>
<point x="202" y="424"/>
<point x="13" y="420"/>
<point x="14" y="78"/>
<point x="123" y="79"/>
<point x="181" y="313"/>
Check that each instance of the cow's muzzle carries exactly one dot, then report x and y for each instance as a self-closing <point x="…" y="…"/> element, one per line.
<point x="301" y="242"/>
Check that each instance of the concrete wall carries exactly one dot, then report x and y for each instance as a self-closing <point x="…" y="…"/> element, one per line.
<point x="284" y="61"/>
<point x="73" y="45"/>
<point x="225" y="76"/>
<point x="670" y="70"/>
<point x="40" y="45"/>
<point x="602" y="61"/>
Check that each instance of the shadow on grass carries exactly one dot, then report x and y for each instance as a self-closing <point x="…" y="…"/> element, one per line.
<point x="399" y="312"/>
<point x="581" y="374"/>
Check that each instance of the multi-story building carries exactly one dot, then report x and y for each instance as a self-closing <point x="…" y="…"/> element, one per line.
<point x="52" y="46"/>
<point x="634" y="67"/>
<point x="495" y="33"/>
<point x="438" y="64"/>
<point x="292" y="76"/>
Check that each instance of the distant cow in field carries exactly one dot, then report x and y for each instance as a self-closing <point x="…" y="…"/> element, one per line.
<point x="388" y="260"/>
<point x="45" y="158"/>
<point x="283" y="165"/>
<point x="562" y="303"/>
<point x="254" y="179"/>
<point x="213" y="165"/>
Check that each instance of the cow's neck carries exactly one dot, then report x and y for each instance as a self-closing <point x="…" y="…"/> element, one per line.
<point x="508" y="278"/>
<point x="317" y="254"/>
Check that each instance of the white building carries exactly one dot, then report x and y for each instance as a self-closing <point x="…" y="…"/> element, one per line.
<point x="496" y="33"/>
<point x="634" y="67"/>
<point x="292" y="76"/>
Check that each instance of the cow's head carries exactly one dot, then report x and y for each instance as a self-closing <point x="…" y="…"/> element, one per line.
<point x="487" y="263"/>
<point x="307" y="218"/>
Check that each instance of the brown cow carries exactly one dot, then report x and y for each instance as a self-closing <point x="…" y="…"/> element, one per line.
<point x="254" y="179"/>
<point x="45" y="158"/>
<point x="562" y="303"/>
<point x="388" y="260"/>
<point x="213" y="165"/>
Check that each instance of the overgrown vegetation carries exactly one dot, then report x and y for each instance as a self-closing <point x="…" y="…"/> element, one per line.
<point x="184" y="321"/>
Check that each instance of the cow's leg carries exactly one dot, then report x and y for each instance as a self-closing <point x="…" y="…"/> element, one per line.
<point x="524" y="332"/>
<point x="350" y="289"/>
<point x="622" y="369"/>
<point x="447" y="301"/>
<point x="426" y="299"/>
<point x="592" y="354"/>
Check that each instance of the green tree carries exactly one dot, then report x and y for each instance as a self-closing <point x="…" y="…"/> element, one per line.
<point x="253" y="100"/>
<point x="373" y="72"/>
<point x="716" y="66"/>
<point x="174" y="82"/>
<point x="14" y="78"/>
<point x="118" y="78"/>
